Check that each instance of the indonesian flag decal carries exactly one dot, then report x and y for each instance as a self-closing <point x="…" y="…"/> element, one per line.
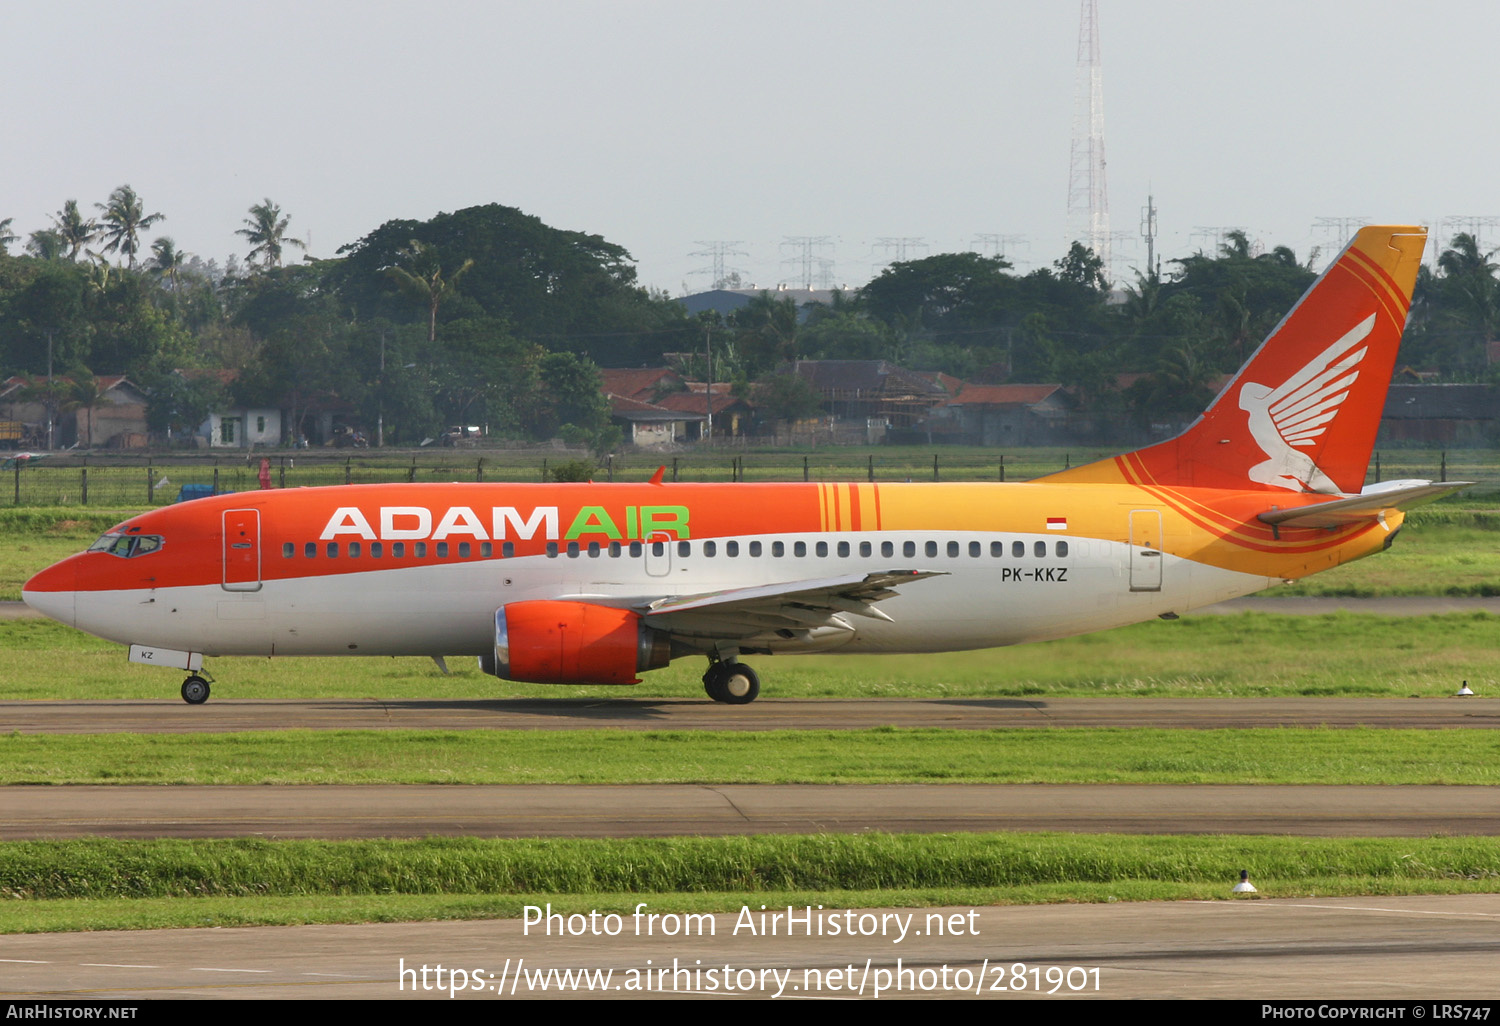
<point x="1057" y="523"/>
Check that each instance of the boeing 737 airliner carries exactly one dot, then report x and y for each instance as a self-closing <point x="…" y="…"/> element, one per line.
<point x="596" y="583"/>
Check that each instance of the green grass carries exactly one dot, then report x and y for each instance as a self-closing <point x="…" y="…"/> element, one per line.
<point x="109" y="884"/>
<point x="881" y="756"/>
<point x="1244" y="655"/>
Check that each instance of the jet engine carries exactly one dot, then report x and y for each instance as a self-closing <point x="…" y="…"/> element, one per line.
<point x="549" y="642"/>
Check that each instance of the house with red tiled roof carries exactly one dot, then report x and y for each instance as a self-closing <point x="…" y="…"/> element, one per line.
<point x="1004" y="415"/>
<point x="644" y="383"/>
<point x="652" y="426"/>
<point x="732" y="416"/>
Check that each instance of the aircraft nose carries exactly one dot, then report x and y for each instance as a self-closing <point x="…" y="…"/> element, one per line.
<point x="53" y="592"/>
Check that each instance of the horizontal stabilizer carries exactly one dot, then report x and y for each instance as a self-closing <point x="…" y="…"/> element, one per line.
<point x="1368" y="505"/>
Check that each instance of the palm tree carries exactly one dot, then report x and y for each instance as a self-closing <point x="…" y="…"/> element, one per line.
<point x="421" y="280"/>
<point x="6" y="238"/>
<point x="75" y="231"/>
<point x="46" y="244"/>
<point x="167" y="260"/>
<point x="124" y="220"/>
<point x="84" y="393"/>
<point x="265" y="230"/>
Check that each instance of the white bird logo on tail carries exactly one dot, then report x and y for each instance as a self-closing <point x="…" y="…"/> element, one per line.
<point x="1292" y="415"/>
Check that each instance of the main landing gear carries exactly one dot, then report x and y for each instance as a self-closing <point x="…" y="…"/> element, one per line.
<point x="195" y="690"/>
<point x="733" y="683"/>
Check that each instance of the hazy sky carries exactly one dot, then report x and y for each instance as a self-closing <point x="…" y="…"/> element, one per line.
<point x="662" y="124"/>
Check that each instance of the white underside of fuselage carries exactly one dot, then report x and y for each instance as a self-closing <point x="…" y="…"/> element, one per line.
<point x="448" y="609"/>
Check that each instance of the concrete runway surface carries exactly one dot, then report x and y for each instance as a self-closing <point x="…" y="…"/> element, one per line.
<point x="664" y="810"/>
<point x="1406" y="949"/>
<point x="171" y="715"/>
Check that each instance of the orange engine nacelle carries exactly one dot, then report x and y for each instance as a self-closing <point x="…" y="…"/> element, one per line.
<point x="545" y="642"/>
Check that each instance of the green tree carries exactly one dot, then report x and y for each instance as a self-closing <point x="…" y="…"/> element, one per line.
<point x="123" y="219"/>
<point x="6" y="235"/>
<point x="765" y="332"/>
<point x="265" y="230"/>
<point x="557" y="288"/>
<point x="75" y="230"/>
<point x="569" y="395"/>
<point x="46" y="244"/>
<point x="419" y="277"/>
<point x="167" y="260"/>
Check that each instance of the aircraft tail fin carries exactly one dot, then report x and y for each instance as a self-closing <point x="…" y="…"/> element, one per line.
<point x="1302" y="414"/>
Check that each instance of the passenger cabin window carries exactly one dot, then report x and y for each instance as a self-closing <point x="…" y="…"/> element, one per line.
<point x="507" y="549"/>
<point x="1040" y="548"/>
<point x="398" y="550"/>
<point x="1018" y="548"/>
<point x="909" y="549"/>
<point x="887" y="549"/>
<point x="865" y="548"/>
<point x="709" y="548"/>
<point x="778" y="549"/>
<point x="1062" y="548"/>
<point x="333" y="550"/>
<point x="442" y="550"/>
<point x="684" y="548"/>
<point x="731" y="548"/>
<point x="975" y="549"/>
<point x="419" y="549"/>
<point x="952" y="549"/>
<point x="377" y="550"/>
<point x="997" y="549"/>
<point x="464" y="550"/>
<point x="288" y="549"/>
<point x="310" y="550"/>
<point x="755" y="548"/>
<point x="800" y="548"/>
<point x="593" y="550"/>
<point x="822" y="548"/>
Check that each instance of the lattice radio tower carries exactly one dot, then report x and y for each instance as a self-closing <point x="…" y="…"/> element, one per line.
<point x="717" y="250"/>
<point x="810" y="247"/>
<point x="1088" y="196"/>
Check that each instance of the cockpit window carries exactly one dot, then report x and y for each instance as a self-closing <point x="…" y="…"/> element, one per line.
<point x="126" y="546"/>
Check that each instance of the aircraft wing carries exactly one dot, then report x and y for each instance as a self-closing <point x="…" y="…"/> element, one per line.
<point x="1368" y="505"/>
<point x="789" y="606"/>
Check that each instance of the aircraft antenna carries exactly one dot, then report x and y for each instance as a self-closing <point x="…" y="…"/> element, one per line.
<point x="1088" y="196"/>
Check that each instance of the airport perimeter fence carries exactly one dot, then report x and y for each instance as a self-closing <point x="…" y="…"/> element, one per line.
<point x="111" y="481"/>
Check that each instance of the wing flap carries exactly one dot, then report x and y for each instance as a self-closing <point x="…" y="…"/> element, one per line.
<point x="793" y="604"/>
